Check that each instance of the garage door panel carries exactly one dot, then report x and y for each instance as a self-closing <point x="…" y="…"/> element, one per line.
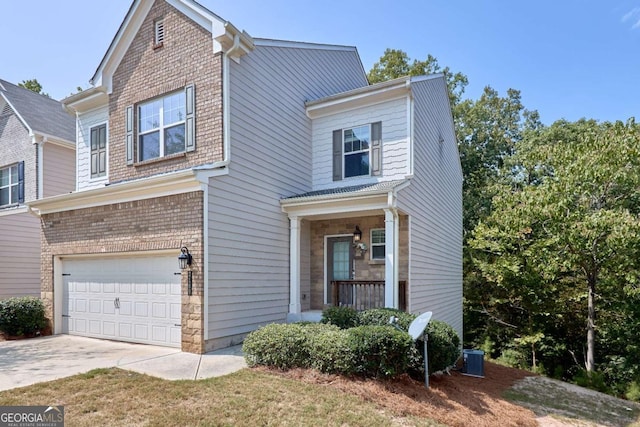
<point x="117" y="299"/>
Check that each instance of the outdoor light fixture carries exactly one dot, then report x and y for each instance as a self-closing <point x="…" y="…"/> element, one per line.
<point x="184" y="258"/>
<point x="357" y="235"/>
<point x="185" y="261"/>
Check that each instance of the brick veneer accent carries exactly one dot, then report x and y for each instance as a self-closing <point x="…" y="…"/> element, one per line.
<point x="145" y="72"/>
<point x="365" y="268"/>
<point x="162" y="223"/>
<point x="16" y="146"/>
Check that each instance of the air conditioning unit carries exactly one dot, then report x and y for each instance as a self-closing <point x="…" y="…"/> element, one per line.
<point x="473" y="363"/>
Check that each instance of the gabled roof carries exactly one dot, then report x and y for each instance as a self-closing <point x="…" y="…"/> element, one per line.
<point x="40" y="114"/>
<point x="225" y="36"/>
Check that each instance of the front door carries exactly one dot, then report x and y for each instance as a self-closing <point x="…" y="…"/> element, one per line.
<point x="339" y="262"/>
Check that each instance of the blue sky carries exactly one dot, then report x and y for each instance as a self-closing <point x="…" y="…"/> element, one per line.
<point x="569" y="58"/>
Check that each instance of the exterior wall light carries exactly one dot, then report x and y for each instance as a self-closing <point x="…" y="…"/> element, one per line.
<point x="357" y="234"/>
<point x="184" y="258"/>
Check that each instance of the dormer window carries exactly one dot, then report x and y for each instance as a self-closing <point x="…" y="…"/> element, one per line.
<point x="159" y="32"/>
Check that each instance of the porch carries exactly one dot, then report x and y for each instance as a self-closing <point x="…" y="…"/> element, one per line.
<point x="364" y="294"/>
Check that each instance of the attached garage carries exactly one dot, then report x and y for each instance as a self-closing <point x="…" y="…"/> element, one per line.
<point x="135" y="299"/>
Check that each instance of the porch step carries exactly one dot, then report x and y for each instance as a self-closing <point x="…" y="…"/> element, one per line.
<point x="305" y="316"/>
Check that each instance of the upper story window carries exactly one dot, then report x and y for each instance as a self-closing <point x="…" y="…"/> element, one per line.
<point x="377" y="243"/>
<point x="166" y="126"/>
<point x="161" y="126"/>
<point x="99" y="151"/>
<point x="12" y="184"/>
<point x="357" y="151"/>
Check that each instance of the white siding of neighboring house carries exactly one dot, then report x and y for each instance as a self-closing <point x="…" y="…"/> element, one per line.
<point x="85" y="122"/>
<point x="395" y="148"/>
<point x="19" y="255"/>
<point x="270" y="159"/>
<point x="59" y="170"/>
<point x="434" y="201"/>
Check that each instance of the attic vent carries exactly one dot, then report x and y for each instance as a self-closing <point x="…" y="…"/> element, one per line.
<point x="159" y="32"/>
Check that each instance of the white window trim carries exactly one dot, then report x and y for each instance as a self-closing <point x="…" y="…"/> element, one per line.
<point x="11" y="184"/>
<point x="344" y="155"/>
<point x="161" y="128"/>
<point x="371" y="244"/>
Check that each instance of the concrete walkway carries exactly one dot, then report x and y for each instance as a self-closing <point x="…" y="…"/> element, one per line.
<point x="30" y="361"/>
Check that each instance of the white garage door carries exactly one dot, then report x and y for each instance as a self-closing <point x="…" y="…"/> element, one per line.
<point x="126" y="299"/>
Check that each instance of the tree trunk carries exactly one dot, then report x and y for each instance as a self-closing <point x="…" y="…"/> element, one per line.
<point x="591" y="326"/>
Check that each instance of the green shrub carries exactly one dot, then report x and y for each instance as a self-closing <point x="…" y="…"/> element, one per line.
<point x="329" y="351"/>
<point x="513" y="358"/>
<point x="594" y="380"/>
<point x="381" y="316"/>
<point x="279" y="345"/>
<point x="443" y="346"/>
<point x="378" y="351"/>
<point x="633" y="391"/>
<point x="22" y="316"/>
<point x="343" y="317"/>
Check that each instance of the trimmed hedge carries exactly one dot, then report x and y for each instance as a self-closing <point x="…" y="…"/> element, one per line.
<point x="22" y="316"/>
<point x="378" y="351"/>
<point x="381" y="316"/>
<point x="343" y="317"/>
<point x="373" y="349"/>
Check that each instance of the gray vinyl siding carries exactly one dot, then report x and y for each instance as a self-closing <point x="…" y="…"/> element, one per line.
<point x="16" y="146"/>
<point x="434" y="202"/>
<point x="59" y="170"/>
<point x="270" y="159"/>
<point x="19" y="240"/>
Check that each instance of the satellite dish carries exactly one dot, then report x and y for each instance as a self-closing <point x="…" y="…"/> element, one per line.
<point x="419" y="324"/>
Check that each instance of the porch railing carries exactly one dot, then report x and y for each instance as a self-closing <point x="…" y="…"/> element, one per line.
<point x="364" y="294"/>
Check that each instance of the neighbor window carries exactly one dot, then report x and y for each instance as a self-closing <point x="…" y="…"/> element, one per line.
<point x="356" y="151"/>
<point x="377" y="243"/>
<point x="99" y="151"/>
<point x="12" y="184"/>
<point x="161" y="127"/>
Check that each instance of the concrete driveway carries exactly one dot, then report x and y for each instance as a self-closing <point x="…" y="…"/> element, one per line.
<point x="30" y="361"/>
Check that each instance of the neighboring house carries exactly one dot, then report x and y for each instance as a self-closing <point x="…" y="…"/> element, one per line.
<point x="37" y="159"/>
<point x="260" y="158"/>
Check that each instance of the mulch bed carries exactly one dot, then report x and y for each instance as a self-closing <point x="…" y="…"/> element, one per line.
<point x="454" y="400"/>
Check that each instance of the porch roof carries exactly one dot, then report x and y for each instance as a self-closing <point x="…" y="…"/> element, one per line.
<point x="345" y="192"/>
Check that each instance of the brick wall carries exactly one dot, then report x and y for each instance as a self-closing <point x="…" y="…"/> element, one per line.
<point x="145" y="225"/>
<point x="16" y="146"/>
<point x="365" y="268"/>
<point x="145" y="72"/>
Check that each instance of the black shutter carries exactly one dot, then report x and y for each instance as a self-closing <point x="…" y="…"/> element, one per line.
<point x="376" y="149"/>
<point x="190" y="108"/>
<point x="129" y="132"/>
<point x="21" y="182"/>
<point x="337" y="155"/>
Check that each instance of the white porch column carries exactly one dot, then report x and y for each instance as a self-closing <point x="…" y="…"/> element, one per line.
<point x="391" y="258"/>
<point x="294" y="266"/>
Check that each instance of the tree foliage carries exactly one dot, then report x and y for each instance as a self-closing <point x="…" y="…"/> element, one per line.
<point x="564" y="232"/>
<point x="34" y="86"/>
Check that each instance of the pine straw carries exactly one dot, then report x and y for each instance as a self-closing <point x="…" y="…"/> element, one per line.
<point x="454" y="400"/>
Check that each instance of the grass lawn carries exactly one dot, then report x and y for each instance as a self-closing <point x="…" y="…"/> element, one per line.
<point x="262" y="397"/>
<point x="115" y="397"/>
